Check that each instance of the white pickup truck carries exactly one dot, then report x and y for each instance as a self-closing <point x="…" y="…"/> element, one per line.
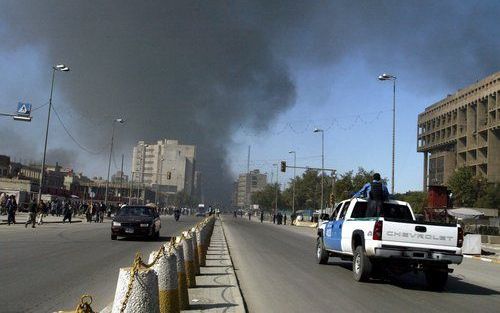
<point x="393" y="241"/>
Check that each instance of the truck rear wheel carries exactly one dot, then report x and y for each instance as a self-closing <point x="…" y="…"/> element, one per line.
<point x="436" y="277"/>
<point x="361" y="265"/>
<point x="321" y="254"/>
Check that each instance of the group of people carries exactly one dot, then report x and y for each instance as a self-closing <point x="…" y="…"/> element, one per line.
<point x="66" y="208"/>
<point x="8" y="205"/>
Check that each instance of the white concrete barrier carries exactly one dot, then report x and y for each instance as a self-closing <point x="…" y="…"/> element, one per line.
<point x="181" y="275"/>
<point x="472" y="244"/>
<point x="187" y="247"/>
<point x="143" y="297"/>
<point x="166" y="270"/>
<point x="196" y="257"/>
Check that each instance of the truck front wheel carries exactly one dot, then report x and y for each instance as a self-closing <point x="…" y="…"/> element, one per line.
<point x="361" y="265"/>
<point x="436" y="277"/>
<point x="321" y="253"/>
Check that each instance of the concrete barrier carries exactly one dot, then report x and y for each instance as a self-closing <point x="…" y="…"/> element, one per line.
<point x="472" y="244"/>
<point x="181" y="275"/>
<point x="202" y="246"/>
<point x="196" y="258"/>
<point x="165" y="268"/>
<point x="144" y="296"/>
<point x="162" y="285"/>
<point x="187" y="247"/>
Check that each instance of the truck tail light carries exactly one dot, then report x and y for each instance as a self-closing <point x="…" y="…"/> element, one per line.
<point x="377" y="230"/>
<point x="460" y="238"/>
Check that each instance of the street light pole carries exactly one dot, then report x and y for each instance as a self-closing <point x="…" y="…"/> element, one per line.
<point x="322" y="165"/>
<point x="121" y="121"/>
<point x="393" y="78"/>
<point x="293" y="181"/>
<point x="60" y="68"/>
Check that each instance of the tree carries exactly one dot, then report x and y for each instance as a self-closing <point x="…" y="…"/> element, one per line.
<point x="466" y="187"/>
<point x="266" y="198"/>
<point x="349" y="183"/>
<point x="490" y="198"/>
<point x="417" y="199"/>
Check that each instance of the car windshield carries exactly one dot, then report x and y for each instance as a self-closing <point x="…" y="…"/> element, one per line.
<point x="389" y="210"/>
<point x="134" y="211"/>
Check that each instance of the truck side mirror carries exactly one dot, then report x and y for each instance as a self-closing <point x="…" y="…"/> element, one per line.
<point x="325" y="216"/>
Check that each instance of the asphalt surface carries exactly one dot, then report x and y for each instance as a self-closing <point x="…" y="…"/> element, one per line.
<point x="48" y="268"/>
<point x="277" y="271"/>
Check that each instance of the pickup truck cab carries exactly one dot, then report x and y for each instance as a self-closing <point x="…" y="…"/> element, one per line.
<point x="392" y="241"/>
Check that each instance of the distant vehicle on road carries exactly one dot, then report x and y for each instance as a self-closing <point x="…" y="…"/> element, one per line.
<point x="136" y="221"/>
<point x="392" y="241"/>
<point x="200" y="214"/>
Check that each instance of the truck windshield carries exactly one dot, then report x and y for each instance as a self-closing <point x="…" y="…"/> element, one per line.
<point x="389" y="210"/>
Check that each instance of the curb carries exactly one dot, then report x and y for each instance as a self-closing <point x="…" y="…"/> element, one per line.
<point x="475" y="257"/>
<point x="237" y="281"/>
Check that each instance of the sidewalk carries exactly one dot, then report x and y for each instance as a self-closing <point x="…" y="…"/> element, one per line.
<point x="217" y="288"/>
<point x="22" y="217"/>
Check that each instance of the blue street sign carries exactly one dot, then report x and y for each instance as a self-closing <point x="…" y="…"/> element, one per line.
<point x="23" y="108"/>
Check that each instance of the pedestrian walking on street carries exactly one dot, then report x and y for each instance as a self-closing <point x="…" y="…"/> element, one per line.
<point x="3" y="203"/>
<point x="32" y="215"/>
<point x="11" y="210"/>
<point x="284" y="219"/>
<point x="274" y="218"/>
<point x="261" y="216"/>
<point x="249" y="216"/>
<point x="67" y="212"/>
<point x="41" y="212"/>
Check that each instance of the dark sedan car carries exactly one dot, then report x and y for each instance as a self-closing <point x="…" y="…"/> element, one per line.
<point x="136" y="221"/>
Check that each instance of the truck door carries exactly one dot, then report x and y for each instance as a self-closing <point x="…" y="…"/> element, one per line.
<point x="337" y="228"/>
<point x="329" y="227"/>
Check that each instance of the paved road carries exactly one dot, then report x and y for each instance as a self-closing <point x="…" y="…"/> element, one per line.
<point x="277" y="271"/>
<point x="48" y="268"/>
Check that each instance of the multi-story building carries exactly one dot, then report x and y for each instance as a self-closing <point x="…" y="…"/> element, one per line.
<point x="167" y="164"/>
<point x="4" y="165"/>
<point x="462" y="130"/>
<point x="248" y="184"/>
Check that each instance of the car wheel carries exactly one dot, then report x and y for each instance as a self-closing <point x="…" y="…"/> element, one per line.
<point x="436" y="277"/>
<point x="321" y="254"/>
<point x="113" y="237"/>
<point x="361" y="265"/>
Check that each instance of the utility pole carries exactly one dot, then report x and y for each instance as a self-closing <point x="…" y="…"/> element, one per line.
<point x="60" y="68"/>
<point x="248" y="187"/>
<point x="294" y="175"/>
<point x="121" y="178"/>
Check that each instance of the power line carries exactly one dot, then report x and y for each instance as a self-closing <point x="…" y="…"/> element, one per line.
<point x="73" y="138"/>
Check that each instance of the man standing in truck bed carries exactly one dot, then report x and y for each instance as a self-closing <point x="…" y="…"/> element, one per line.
<point x="376" y="193"/>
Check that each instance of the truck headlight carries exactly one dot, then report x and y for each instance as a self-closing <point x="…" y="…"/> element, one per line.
<point x="144" y="225"/>
<point x="117" y="223"/>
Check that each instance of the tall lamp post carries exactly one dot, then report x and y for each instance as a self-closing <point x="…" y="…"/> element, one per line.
<point x="121" y="121"/>
<point x="317" y="130"/>
<point x="55" y="68"/>
<point x="293" y="187"/>
<point x="393" y="78"/>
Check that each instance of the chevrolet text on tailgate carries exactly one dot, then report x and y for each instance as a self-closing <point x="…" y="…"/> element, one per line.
<point x="389" y="240"/>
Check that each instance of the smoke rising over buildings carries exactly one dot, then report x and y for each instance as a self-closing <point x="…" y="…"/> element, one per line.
<point x="198" y="70"/>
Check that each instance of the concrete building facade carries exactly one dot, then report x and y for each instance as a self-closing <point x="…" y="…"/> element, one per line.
<point x="462" y="130"/>
<point x="247" y="184"/>
<point x="167" y="165"/>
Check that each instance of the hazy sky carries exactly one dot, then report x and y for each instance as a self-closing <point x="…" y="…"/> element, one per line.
<point x="227" y="74"/>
